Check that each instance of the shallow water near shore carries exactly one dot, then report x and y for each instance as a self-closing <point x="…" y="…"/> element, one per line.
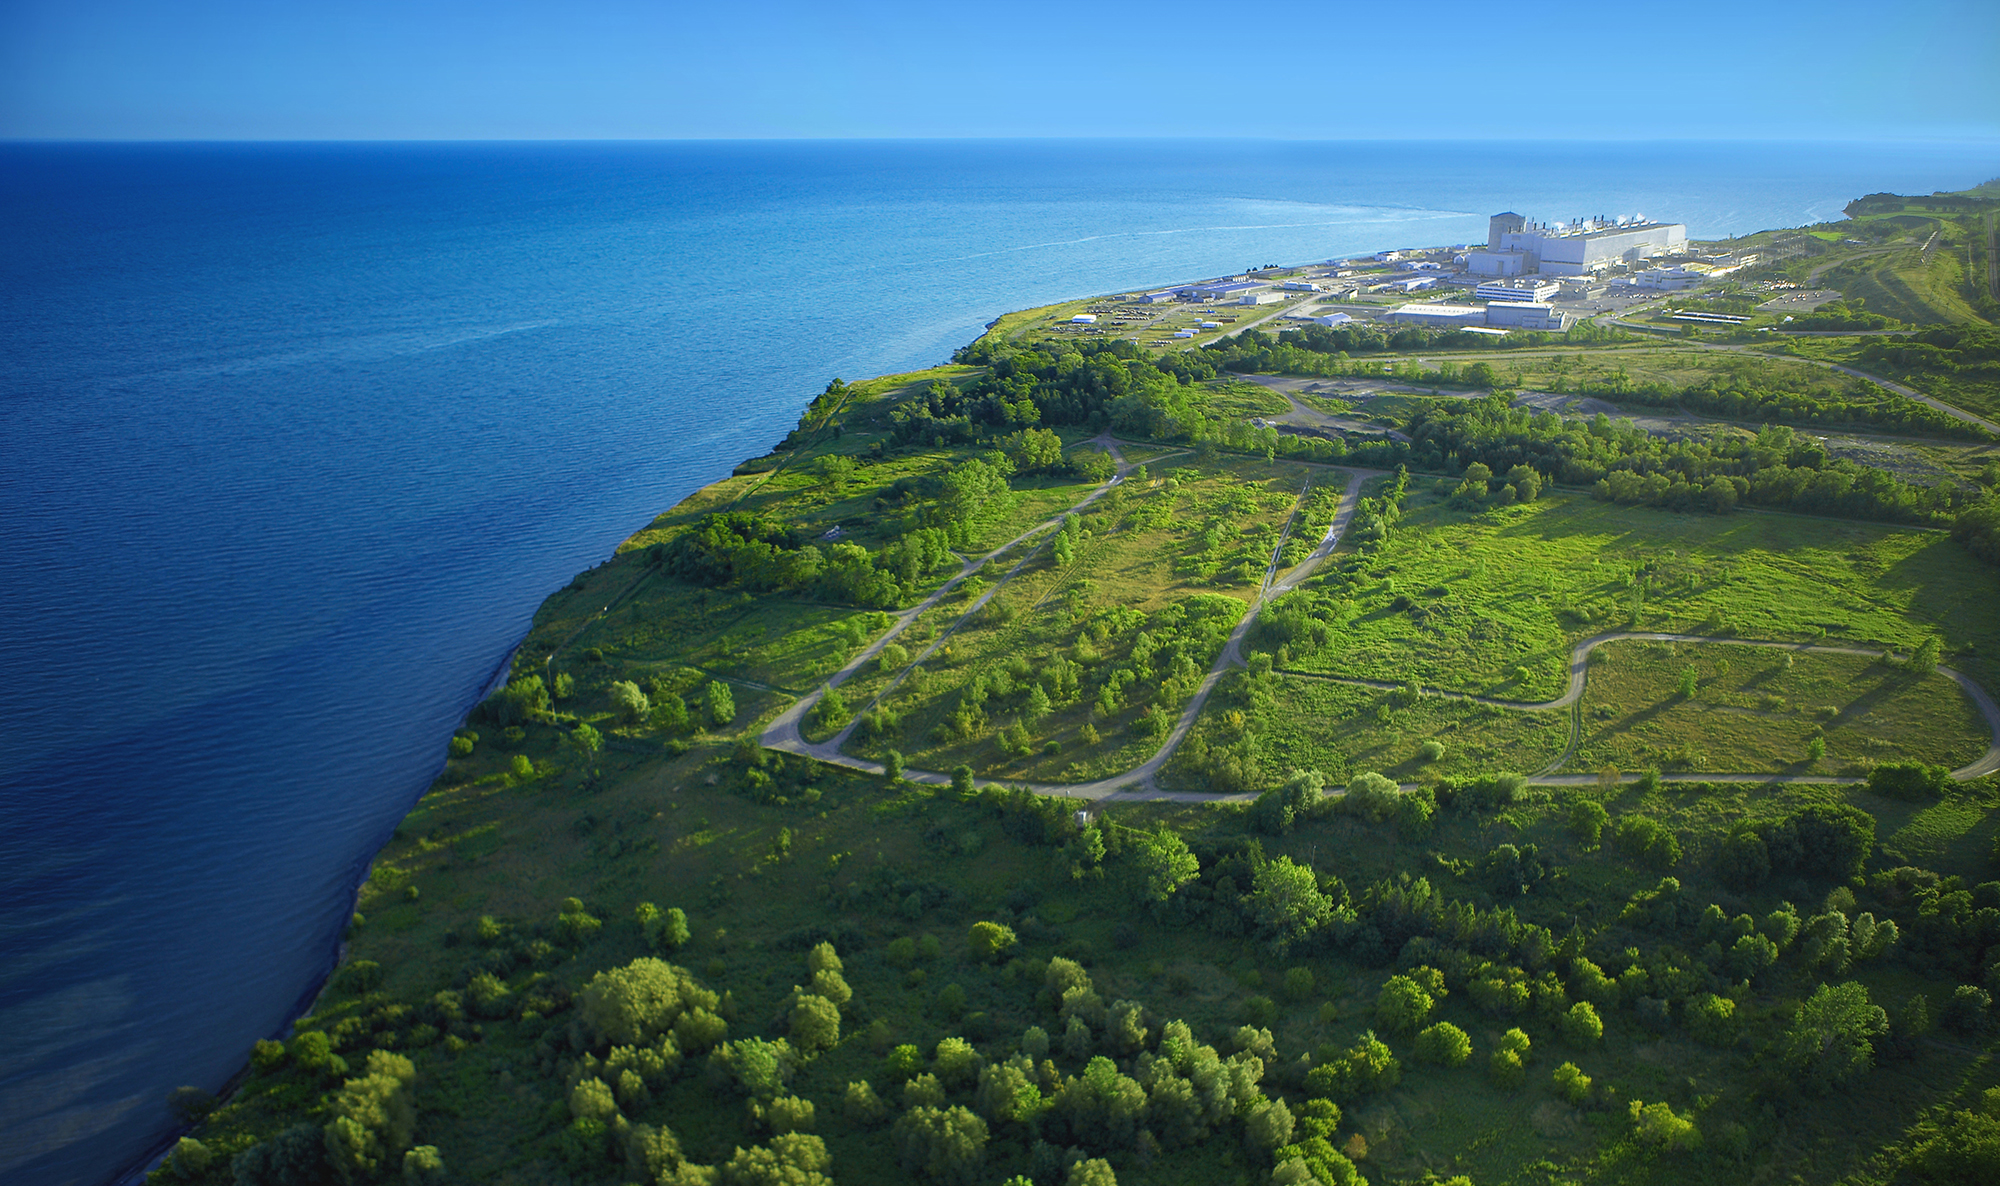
<point x="294" y="438"/>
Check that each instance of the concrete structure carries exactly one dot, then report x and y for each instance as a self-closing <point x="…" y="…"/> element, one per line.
<point x="1498" y="263"/>
<point x="1526" y="315"/>
<point x="1537" y="290"/>
<point x="1225" y="290"/>
<point x="1666" y="279"/>
<point x="1437" y="316"/>
<point x="1387" y="257"/>
<point x="1516" y="247"/>
<point x="1582" y="288"/>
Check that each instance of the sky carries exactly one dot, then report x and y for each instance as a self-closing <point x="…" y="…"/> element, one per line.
<point x="1300" y="69"/>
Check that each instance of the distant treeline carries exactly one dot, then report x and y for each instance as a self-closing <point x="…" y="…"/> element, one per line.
<point x="1321" y="351"/>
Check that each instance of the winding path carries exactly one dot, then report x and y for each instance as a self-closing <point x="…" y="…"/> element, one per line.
<point x="783" y="733"/>
<point x="1141" y="781"/>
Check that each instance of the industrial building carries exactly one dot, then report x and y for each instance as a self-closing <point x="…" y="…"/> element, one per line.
<point x="1667" y="279"/>
<point x="1533" y="289"/>
<point x="1223" y="290"/>
<point x="1526" y="315"/>
<point x="1516" y="247"/>
<point x="1334" y="320"/>
<point x="1437" y="316"/>
<point x="1259" y="298"/>
<point x="1159" y="298"/>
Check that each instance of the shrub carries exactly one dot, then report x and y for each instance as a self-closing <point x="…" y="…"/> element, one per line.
<point x="721" y="703"/>
<point x="1909" y="780"/>
<point x="1506" y="1069"/>
<point x="1572" y="1084"/>
<point x="1431" y="751"/>
<point x="990" y="940"/>
<point x="1658" y="1124"/>
<point x="1644" y="839"/>
<point x="1712" y="1019"/>
<point x="631" y="703"/>
<point x="461" y="747"/>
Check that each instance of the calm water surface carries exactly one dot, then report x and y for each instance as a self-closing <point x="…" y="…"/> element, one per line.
<point x="293" y="439"/>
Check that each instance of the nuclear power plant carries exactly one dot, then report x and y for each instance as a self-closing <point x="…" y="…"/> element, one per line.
<point x="1517" y="247"/>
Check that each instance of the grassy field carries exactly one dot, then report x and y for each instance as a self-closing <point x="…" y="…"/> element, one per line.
<point x="1492" y="603"/>
<point x="1757" y="709"/>
<point x="467" y="956"/>
<point x="1206" y="529"/>
<point x="1341" y="730"/>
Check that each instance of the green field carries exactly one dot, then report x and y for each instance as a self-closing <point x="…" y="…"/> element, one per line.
<point x="1191" y="529"/>
<point x="1485" y="595"/>
<point x="1180" y="993"/>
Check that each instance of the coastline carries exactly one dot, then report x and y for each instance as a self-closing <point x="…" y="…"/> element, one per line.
<point x="711" y="496"/>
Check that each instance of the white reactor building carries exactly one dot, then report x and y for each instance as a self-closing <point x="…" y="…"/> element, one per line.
<point x="1517" y="247"/>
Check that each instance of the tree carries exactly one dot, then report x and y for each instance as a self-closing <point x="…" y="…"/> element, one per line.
<point x="815" y="1023"/>
<point x="834" y="470"/>
<point x="721" y="703"/>
<point x="1831" y="1039"/>
<point x="892" y="766"/>
<point x="1403" y="1005"/>
<point x="1444" y="1044"/>
<point x="1961" y="1148"/>
<point x="1586" y="820"/>
<point x="665" y="931"/>
<point x="1268" y="1125"/>
<point x="374" y="1118"/>
<point x="1288" y="903"/>
<point x="1032" y="450"/>
<point x="585" y="740"/>
<point x="632" y="1005"/>
<point x="630" y="702"/>
<point x="1572" y="1084"/>
<point x="1657" y="1124"/>
<point x="990" y="940"/>
<point x="961" y="779"/>
<point x="1581" y="1026"/>
<point x="424" y="1166"/>
<point x="791" y="1159"/>
<point x="948" y="1144"/>
<point x="1093" y="1171"/>
<point x="1162" y="863"/>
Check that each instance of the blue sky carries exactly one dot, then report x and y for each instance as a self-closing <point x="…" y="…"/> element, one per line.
<point x="1294" y="69"/>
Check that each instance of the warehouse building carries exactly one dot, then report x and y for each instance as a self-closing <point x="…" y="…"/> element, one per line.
<point x="1526" y="315"/>
<point x="1437" y="316"/>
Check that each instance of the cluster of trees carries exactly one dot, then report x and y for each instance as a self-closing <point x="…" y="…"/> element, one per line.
<point x="1123" y="659"/>
<point x="1138" y="1087"/>
<point x="1776" y="468"/>
<point x="1849" y="313"/>
<point x="761" y="553"/>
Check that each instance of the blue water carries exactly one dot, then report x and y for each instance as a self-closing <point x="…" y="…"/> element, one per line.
<point x="293" y="440"/>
